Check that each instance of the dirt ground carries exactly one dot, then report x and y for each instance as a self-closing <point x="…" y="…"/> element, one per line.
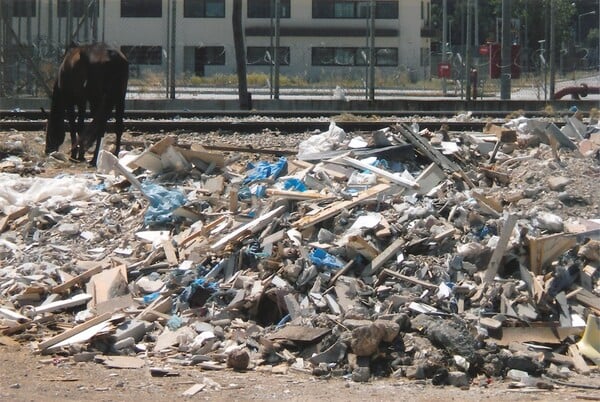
<point x="28" y="377"/>
<point x="25" y="376"/>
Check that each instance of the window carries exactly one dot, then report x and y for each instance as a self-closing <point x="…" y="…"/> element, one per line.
<point x="196" y="58"/>
<point x="23" y="8"/>
<point x="353" y="56"/>
<point x="384" y="9"/>
<point x="262" y="9"/>
<point x="77" y="8"/>
<point x="262" y="56"/>
<point x="204" y="8"/>
<point x="151" y="55"/>
<point x="141" y="8"/>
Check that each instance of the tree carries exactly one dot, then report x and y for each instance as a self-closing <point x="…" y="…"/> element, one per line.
<point x="240" y="55"/>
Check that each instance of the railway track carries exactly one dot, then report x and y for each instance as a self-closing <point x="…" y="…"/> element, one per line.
<point x="281" y="121"/>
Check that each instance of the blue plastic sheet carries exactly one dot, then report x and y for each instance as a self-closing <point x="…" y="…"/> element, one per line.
<point x="162" y="203"/>
<point x="320" y="257"/>
<point x="294" y="184"/>
<point x="265" y="170"/>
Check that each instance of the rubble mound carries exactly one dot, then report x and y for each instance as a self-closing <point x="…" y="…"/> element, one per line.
<point x="452" y="257"/>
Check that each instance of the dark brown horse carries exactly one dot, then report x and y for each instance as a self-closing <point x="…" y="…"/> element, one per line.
<point x="96" y="74"/>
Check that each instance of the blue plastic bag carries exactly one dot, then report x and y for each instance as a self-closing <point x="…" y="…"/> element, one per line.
<point x="162" y="203"/>
<point x="294" y="184"/>
<point x="265" y="170"/>
<point x="320" y="257"/>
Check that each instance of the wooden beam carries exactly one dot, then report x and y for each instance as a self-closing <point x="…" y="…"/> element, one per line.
<point x="383" y="257"/>
<point x="334" y="208"/>
<point x="74" y="331"/>
<point x="380" y="172"/>
<point x="498" y="253"/>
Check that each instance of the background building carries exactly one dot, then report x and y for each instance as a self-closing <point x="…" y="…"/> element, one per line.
<point x="318" y="38"/>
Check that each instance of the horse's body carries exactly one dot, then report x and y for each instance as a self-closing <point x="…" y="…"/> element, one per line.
<point x="94" y="74"/>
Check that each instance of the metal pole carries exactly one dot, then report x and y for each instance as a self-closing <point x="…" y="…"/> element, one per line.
<point x="168" y="52"/>
<point x="552" y="49"/>
<point x="372" y="56"/>
<point x="272" y="49"/>
<point x="173" y="45"/>
<point x="444" y="41"/>
<point x="506" y="61"/>
<point x="276" y="51"/>
<point x="468" y="51"/>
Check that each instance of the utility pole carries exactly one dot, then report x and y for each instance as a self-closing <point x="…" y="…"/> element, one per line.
<point x="506" y="61"/>
<point x="276" y="51"/>
<point x="240" y="55"/>
<point x="444" y="41"/>
<point x="372" y="51"/>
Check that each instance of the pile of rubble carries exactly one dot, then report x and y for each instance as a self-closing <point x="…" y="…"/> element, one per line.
<point x="459" y="257"/>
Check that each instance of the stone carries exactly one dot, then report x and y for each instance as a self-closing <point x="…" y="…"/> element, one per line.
<point x="415" y="372"/>
<point x="238" y="359"/>
<point x="365" y="340"/>
<point x="390" y="329"/>
<point x="361" y="374"/>
<point x="458" y="379"/>
<point x="523" y="362"/>
<point x="558" y="183"/>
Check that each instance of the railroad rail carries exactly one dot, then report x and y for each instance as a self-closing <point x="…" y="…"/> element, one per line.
<point x="281" y="121"/>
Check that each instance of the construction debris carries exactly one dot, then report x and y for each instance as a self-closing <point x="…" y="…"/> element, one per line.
<point x="443" y="256"/>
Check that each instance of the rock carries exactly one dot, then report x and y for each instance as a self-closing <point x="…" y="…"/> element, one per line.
<point x="450" y="334"/>
<point x="361" y="374"/>
<point x="558" y="183"/>
<point x="238" y="359"/>
<point x="390" y="329"/>
<point x="523" y="363"/>
<point x="590" y="251"/>
<point x="415" y="372"/>
<point x="458" y="379"/>
<point x="365" y="340"/>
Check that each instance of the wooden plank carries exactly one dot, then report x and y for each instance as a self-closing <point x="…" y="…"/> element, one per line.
<point x="487" y="204"/>
<point x="362" y="247"/>
<point x="170" y="252"/>
<point x="578" y="361"/>
<point x="74" y="331"/>
<point x="336" y="207"/>
<point x="251" y="227"/>
<point x="297" y="195"/>
<point x="380" y="172"/>
<point x="12" y="216"/>
<point x="383" y="257"/>
<point x="63" y="287"/>
<point x="498" y="253"/>
<point x="410" y="279"/>
<point x="544" y="250"/>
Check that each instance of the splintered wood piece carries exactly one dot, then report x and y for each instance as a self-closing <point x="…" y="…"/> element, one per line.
<point x="63" y="287"/>
<point x="12" y="216"/>
<point x="74" y="331"/>
<point x="336" y="207"/>
<point x="544" y="250"/>
<point x="250" y="227"/>
<point x="362" y="247"/>
<point x="498" y="253"/>
<point x="383" y="257"/>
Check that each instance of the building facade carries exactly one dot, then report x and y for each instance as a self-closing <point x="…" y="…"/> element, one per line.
<point x="317" y="38"/>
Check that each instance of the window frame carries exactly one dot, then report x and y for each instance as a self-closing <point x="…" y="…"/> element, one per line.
<point x="283" y="54"/>
<point x="143" y="54"/>
<point x="77" y="8"/>
<point x="21" y="7"/>
<point x="254" y="7"/>
<point x="189" y="9"/>
<point x="328" y="9"/>
<point x="141" y="9"/>
<point x="353" y="54"/>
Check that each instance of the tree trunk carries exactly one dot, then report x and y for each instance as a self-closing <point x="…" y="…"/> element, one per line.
<point x="240" y="55"/>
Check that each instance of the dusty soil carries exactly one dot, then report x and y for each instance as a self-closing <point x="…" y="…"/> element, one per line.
<point x="25" y="376"/>
<point x="28" y="377"/>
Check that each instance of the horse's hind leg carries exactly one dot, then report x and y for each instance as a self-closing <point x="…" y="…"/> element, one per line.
<point x="73" y="130"/>
<point x="80" y="127"/>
